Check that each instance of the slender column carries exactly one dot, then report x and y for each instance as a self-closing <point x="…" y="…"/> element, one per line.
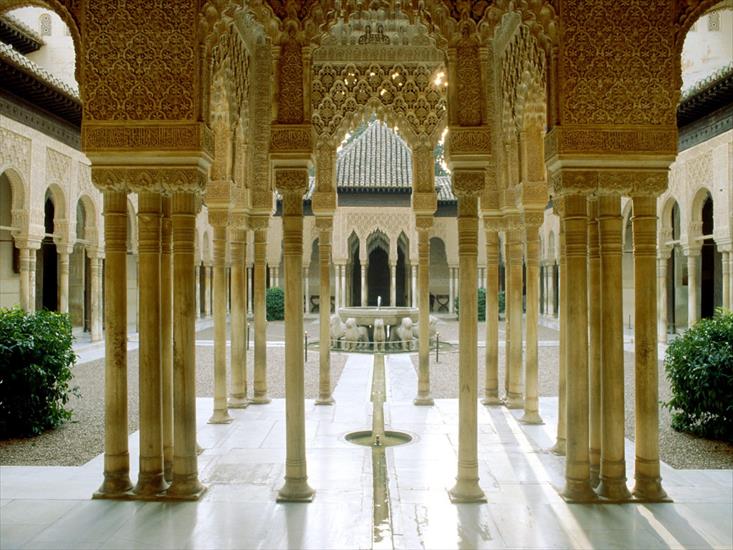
<point x="662" y="317"/>
<point x="726" y="278"/>
<point x="221" y="413"/>
<point x="337" y="288"/>
<point x="514" y="398"/>
<point x="207" y="294"/>
<point x="185" y="483"/>
<point x="646" y="468"/>
<point x="573" y="209"/>
<point x="95" y="269"/>
<point x="364" y="288"/>
<point x="64" y="251"/>
<point x="423" y="225"/>
<point x="613" y="463"/>
<point x="560" y="442"/>
<point x="25" y="275"/>
<point x="693" y="290"/>
<point x="414" y="294"/>
<point x="325" y="228"/>
<point x="238" y="358"/>
<point x="450" y="290"/>
<point x="531" y="399"/>
<point x="260" y="370"/>
<point x="151" y="480"/>
<point x="393" y="284"/>
<point x="292" y="185"/>
<point x="306" y="292"/>
<point x="491" y="388"/>
<point x="467" y="488"/>
<point x="197" y="277"/>
<point x="116" y="455"/>
<point x="249" y="287"/>
<point x="594" y="343"/>
<point x="166" y="335"/>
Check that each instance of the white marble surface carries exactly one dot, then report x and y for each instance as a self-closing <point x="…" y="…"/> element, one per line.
<point x="242" y="465"/>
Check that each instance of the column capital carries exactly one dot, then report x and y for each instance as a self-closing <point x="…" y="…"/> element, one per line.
<point x="259" y="222"/>
<point x="423" y="223"/>
<point x="324" y="223"/>
<point x="238" y="220"/>
<point x="324" y="203"/>
<point x="218" y="218"/>
<point x="468" y="182"/>
<point x="161" y="179"/>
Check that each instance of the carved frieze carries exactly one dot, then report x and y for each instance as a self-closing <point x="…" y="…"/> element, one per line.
<point x="167" y="180"/>
<point x="15" y="152"/>
<point x="468" y="182"/>
<point x="424" y="203"/>
<point x="58" y="167"/>
<point x="291" y="180"/>
<point x="467" y="141"/>
<point x="564" y="140"/>
<point x="291" y="138"/>
<point x="158" y="136"/>
<point x="324" y="203"/>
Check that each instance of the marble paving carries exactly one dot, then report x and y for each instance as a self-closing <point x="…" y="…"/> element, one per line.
<point x="242" y="465"/>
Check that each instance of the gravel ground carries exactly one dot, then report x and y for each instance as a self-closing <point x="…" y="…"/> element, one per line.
<point x="81" y="439"/>
<point x="679" y="450"/>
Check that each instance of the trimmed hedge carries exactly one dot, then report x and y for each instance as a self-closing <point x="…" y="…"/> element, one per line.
<point x="481" y="299"/>
<point x="699" y="367"/>
<point x="35" y="371"/>
<point x="275" y="301"/>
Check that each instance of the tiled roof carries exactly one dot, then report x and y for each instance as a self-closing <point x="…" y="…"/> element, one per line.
<point x="377" y="160"/>
<point x="443" y="188"/>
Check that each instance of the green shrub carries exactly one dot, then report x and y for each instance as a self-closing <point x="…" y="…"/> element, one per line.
<point x="35" y="371"/>
<point x="699" y="367"/>
<point x="275" y="300"/>
<point x="481" y="303"/>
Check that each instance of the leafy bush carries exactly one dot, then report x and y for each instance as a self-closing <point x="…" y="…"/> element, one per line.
<point x="481" y="303"/>
<point x="699" y="367"/>
<point x="275" y="300"/>
<point x="35" y="371"/>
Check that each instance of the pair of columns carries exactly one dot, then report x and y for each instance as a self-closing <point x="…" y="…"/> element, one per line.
<point x="168" y="450"/>
<point x="591" y="423"/>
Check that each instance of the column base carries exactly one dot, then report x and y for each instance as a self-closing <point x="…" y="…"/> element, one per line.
<point x="649" y="489"/>
<point x="466" y="491"/>
<point x="559" y="447"/>
<point x="114" y="486"/>
<point x="531" y="418"/>
<point x="423" y="401"/>
<point x="578" y="491"/>
<point x="514" y="401"/>
<point x="185" y="488"/>
<point x="614" y="489"/>
<point x="491" y="398"/>
<point x="237" y="402"/>
<point x="220" y="417"/>
<point x="150" y="485"/>
<point x="168" y="471"/>
<point x="260" y="400"/>
<point x="325" y="400"/>
<point x="296" y="490"/>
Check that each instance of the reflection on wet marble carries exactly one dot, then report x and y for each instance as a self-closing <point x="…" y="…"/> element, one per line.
<point x="242" y="464"/>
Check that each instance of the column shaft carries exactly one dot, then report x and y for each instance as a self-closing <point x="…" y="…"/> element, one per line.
<point x="560" y="443"/>
<point x="450" y="290"/>
<point x="306" y="292"/>
<point x="693" y="288"/>
<point x="413" y="288"/>
<point x="613" y="463"/>
<point x="260" y="370"/>
<point x="25" y="299"/>
<point x="185" y="483"/>
<point x="514" y="398"/>
<point x="646" y="468"/>
<point x="238" y="359"/>
<point x="324" y="310"/>
<point x="151" y="479"/>
<point x="531" y="398"/>
<point x="95" y="271"/>
<point x="594" y="343"/>
<point x="726" y="278"/>
<point x="467" y="488"/>
<point x="491" y="387"/>
<point x="116" y="455"/>
<point x="63" y="255"/>
<point x="423" y="372"/>
<point x="166" y="335"/>
<point x="393" y="284"/>
<point x="364" y="288"/>
<point x="662" y="316"/>
<point x="221" y="413"/>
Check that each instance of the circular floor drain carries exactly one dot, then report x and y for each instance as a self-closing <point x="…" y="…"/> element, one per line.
<point x="390" y="439"/>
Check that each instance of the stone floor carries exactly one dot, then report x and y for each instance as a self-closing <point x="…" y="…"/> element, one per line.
<point x="242" y="464"/>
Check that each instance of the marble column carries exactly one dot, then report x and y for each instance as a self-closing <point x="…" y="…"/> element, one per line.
<point x="648" y="484"/>
<point x="613" y="463"/>
<point x="221" y="412"/>
<point x="693" y="287"/>
<point x="726" y="278"/>
<point x="514" y="398"/>
<point x="207" y="291"/>
<point x="185" y="483"/>
<point x="450" y="290"/>
<point x="467" y="487"/>
<point x="292" y="184"/>
<point x="306" y="291"/>
<point x="25" y="253"/>
<point x="531" y="398"/>
<point x="238" y="353"/>
<point x="663" y="313"/>
<point x="197" y="288"/>
<point x="166" y="334"/>
<point x="594" y="342"/>
<point x="325" y="229"/>
<point x="574" y="211"/>
<point x="560" y="442"/>
<point x="249" y="288"/>
<point x="260" y="313"/>
<point x="364" y="287"/>
<point x="491" y="386"/>
<point x="95" y="274"/>
<point x="151" y="480"/>
<point x="64" y="252"/>
<point x="116" y="454"/>
<point x="393" y="283"/>
<point x="423" y="224"/>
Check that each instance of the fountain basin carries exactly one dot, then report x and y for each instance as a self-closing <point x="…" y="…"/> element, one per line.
<point x="365" y="316"/>
<point x="391" y="438"/>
